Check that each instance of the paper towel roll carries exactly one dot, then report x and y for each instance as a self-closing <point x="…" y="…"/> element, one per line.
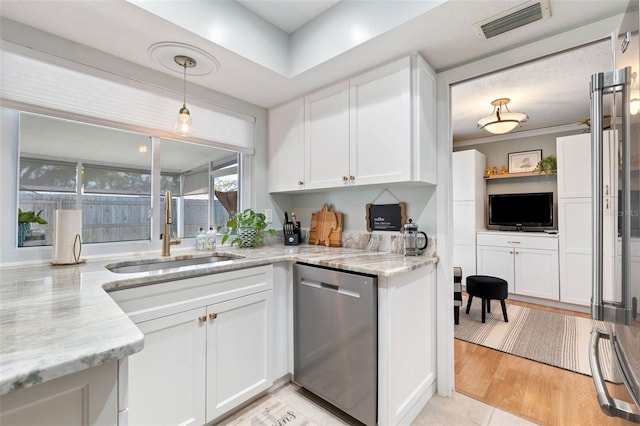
<point x="67" y="237"/>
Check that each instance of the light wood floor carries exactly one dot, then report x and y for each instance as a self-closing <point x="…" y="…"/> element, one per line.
<point x="537" y="392"/>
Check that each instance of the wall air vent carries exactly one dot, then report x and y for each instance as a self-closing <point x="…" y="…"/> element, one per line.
<point x="513" y="18"/>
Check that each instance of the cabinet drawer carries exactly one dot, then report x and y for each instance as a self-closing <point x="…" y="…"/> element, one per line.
<point x="511" y="239"/>
<point x="144" y="303"/>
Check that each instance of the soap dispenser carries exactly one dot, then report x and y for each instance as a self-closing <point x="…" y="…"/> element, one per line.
<point x="200" y="237"/>
<point x="210" y="239"/>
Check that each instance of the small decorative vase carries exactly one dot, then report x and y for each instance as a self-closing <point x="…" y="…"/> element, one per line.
<point x="24" y="231"/>
<point x="247" y="236"/>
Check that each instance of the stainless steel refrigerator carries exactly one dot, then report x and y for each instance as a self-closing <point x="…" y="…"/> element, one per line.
<point x="615" y="98"/>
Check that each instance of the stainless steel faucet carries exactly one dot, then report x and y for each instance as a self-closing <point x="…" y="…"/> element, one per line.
<point x="167" y="241"/>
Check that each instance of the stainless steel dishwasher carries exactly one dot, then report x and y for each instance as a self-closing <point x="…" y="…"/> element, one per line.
<point x="335" y="338"/>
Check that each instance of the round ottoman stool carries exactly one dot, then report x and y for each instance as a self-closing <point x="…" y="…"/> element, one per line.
<point x="487" y="288"/>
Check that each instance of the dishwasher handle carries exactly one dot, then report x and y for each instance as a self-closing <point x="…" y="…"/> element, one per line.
<point x="321" y="285"/>
<point x="610" y="406"/>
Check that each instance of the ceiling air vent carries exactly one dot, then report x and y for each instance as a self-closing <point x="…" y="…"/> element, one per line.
<point x="513" y="18"/>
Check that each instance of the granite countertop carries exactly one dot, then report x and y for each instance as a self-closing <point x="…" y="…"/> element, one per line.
<point x="57" y="320"/>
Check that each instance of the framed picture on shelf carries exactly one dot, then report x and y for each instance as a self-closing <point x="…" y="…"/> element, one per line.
<point x="524" y="161"/>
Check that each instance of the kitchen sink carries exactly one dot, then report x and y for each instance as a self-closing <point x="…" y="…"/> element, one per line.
<point x="146" y="265"/>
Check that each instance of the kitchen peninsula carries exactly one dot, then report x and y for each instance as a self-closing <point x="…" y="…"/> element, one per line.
<point x="60" y="322"/>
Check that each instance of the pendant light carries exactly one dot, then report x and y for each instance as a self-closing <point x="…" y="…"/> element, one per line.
<point x="183" y="125"/>
<point x="501" y="119"/>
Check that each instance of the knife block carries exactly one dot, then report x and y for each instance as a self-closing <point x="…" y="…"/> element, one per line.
<point x="292" y="237"/>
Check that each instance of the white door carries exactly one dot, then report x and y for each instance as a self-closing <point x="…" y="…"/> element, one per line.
<point x="497" y="262"/>
<point x="327" y="137"/>
<point x="239" y="349"/>
<point x="380" y="123"/>
<point x="286" y="147"/>
<point x="536" y="273"/>
<point x="167" y="378"/>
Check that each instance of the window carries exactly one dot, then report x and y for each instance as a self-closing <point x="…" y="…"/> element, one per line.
<point x="225" y="184"/>
<point x="194" y="168"/>
<point x="108" y="174"/>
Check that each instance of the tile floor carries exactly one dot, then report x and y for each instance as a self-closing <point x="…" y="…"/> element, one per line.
<point x="458" y="410"/>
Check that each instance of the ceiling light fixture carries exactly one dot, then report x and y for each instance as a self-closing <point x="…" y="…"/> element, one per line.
<point x="184" y="126"/>
<point x="501" y="119"/>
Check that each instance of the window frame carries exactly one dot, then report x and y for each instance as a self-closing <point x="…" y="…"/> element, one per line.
<point x="10" y="159"/>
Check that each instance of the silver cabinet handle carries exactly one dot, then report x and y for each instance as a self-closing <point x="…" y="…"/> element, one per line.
<point x="609" y="406"/>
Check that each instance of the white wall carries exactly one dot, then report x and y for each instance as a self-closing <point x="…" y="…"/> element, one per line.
<point x="420" y="200"/>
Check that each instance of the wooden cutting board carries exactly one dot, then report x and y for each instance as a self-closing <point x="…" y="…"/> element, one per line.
<point x="326" y="228"/>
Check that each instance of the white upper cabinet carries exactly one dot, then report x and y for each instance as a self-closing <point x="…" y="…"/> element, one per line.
<point x="286" y="147"/>
<point x="376" y="128"/>
<point x="380" y="149"/>
<point x="574" y="165"/>
<point x="326" y="137"/>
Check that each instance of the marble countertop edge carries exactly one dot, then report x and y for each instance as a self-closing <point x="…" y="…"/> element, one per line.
<point x="85" y="328"/>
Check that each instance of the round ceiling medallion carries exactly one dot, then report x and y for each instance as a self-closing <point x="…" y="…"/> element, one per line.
<point x="164" y="53"/>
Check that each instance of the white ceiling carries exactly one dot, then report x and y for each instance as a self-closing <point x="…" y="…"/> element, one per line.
<point x="443" y="35"/>
<point x="288" y="15"/>
<point x="553" y="91"/>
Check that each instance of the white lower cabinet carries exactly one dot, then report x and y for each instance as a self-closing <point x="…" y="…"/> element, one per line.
<point x="208" y="346"/>
<point x="238" y="351"/>
<point x="167" y="378"/>
<point x="88" y="397"/>
<point x="407" y="345"/>
<point x="529" y="263"/>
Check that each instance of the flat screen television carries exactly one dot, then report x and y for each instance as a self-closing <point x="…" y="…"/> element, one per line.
<point x="528" y="212"/>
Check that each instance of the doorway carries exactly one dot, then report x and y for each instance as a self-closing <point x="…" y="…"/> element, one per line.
<point x="471" y="90"/>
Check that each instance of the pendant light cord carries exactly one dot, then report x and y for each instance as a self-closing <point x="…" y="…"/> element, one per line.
<point x="184" y="91"/>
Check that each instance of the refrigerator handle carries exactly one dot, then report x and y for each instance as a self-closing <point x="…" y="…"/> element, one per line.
<point x="611" y="83"/>
<point x="597" y="85"/>
<point x="610" y="406"/>
<point x="624" y="79"/>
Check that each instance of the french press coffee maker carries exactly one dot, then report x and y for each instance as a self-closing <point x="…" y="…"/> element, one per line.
<point x="411" y="239"/>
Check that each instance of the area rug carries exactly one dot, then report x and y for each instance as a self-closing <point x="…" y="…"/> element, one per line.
<point x="548" y="337"/>
<point x="270" y="412"/>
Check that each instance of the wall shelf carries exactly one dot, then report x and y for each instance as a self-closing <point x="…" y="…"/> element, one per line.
<point x="517" y="175"/>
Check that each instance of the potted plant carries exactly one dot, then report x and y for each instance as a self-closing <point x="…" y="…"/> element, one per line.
<point x="25" y="219"/>
<point x="250" y="228"/>
<point x="548" y="165"/>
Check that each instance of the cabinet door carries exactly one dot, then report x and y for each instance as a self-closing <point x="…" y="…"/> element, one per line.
<point x="497" y="262"/>
<point x="574" y="166"/>
<point x="88" y="397"/>
<point x="327" y="137"/>
<point x="611" y="250"/>
<point x="286" y="147"/>
<point x="610" y="168"/>
<point x="167" y="378"/>
<point x="536" y="273"/>
<point x="468" y="171"/>
<point x="239" y="351"/>
<point x="574" y="220"/>
<point x="380" y="122"/>
<point x="464" y="237"/>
